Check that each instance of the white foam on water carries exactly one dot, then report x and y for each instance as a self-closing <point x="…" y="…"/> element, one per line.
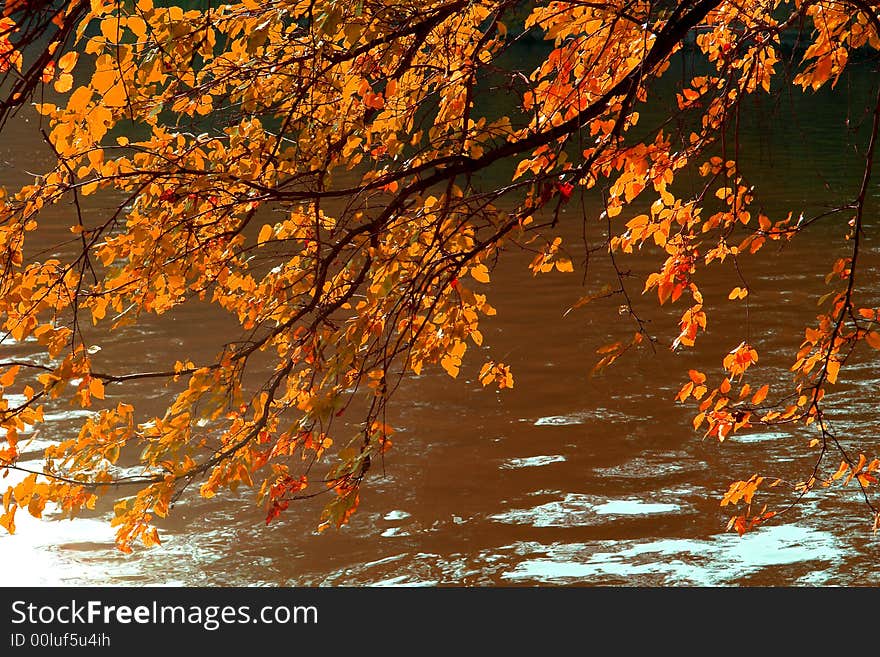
<point x="722" y="559"/>
<point x="633" y="507"/>
<point x="532" y="461"/>
<point x="397" y="514"/>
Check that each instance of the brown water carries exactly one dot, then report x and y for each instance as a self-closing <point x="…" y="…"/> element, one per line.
<point x="567" y="479"/>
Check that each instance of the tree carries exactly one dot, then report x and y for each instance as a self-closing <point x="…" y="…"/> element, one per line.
<point x="313" y="168"/>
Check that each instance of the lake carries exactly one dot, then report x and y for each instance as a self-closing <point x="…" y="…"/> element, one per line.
<point x="568" y="478"/>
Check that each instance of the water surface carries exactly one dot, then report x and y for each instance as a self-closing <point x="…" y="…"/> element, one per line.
<point x="568" y="478"/>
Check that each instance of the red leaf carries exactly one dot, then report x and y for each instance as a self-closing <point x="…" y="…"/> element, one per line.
<point x="565" y="190"/>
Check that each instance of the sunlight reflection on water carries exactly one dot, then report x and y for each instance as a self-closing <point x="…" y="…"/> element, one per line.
<point x="723" y="559"/>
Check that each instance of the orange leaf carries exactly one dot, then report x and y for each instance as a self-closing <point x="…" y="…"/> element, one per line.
<point x="832" y="370"/>
<point x="9" y="375"/>
<point x="697" y="376"/>
<point x="761" y="394"/>
<point x="67" y="61"/>
<point x="564" y="265"/>
<point x="738" y="293"/>
<point x="96" y="388"/>
<point x="480" y="273"/>
<point x="64" y="83"/>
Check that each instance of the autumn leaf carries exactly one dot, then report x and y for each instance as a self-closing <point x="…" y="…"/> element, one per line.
<point x="96" y="388"/>
<point x="760" y="395"/>
<point x="480" y="273"/>
<point x="265" y="234"/>
<point x="8" y="377"/>
<point x="831" y="370"/>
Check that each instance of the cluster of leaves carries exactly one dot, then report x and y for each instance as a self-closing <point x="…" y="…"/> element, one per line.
<point x="354" y="126"/>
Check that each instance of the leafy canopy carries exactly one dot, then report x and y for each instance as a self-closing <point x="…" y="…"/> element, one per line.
<point x="313" y="168"/>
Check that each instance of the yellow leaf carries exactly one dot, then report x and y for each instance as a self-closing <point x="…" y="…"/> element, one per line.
<point x="137" y="25"/>
<point x="480" y="273"/>
<point x="7" y="520"/>
<point x="79" y="99"/>
<point x="67" y="62"/>
<point x="64" y="83"/>
<point x="832" y="369"/>
<point x="486" y="373"/>
<point x="110" y="29"/>
<point x="451" y="365"/>
<point x="564" y="265"/>
<point x="844" y="466"/>
<point x="36" y="506"/>
<point x="265" y="234"/>
<point x="103" y="80"/>
<point x="9" y="375"/>
<point x="114" y="96"/>
<point x="521" y="168"/>
<point x="873" y="339"/>
<point x="96" y="388"/>
<point x="151" y="538"/>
